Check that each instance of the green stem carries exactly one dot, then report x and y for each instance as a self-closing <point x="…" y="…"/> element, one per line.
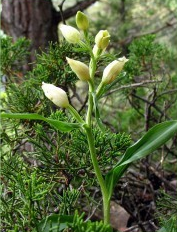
<point x="89" y="111"/>
<point x="92" y="66"/>
<point x="90" y="103"/>
<point x="104" y="191"/>
<point x="75" y="114"/>
<point x="100" y="90"/>
<point x="90" y="138"/>
<point x="88" y="129"/>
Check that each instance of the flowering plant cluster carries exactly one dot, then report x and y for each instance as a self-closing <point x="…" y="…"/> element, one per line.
<point x="152" y="140"/>
<point x="87" y="73"/>
<point x="82" y="71"/>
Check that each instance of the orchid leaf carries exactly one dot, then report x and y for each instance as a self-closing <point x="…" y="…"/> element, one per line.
<point x="151" y="141"/>
<point x="59" y="125"/>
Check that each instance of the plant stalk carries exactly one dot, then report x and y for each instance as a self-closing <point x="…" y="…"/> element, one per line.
<point x="76" y="114"/>
<point x="104" y="191"/>
<point x="87" y="125"/>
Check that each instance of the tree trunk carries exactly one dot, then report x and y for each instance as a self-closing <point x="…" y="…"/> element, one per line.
<point x="36" y="20"/>
<point x="32" y="19"/>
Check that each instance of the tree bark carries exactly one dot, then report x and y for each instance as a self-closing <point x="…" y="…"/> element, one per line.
<point x="32" y="19"/>
<point x="36" y="20"/>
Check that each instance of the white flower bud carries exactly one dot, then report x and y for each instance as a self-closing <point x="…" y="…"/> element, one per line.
<point x="56" y="95"/>
<point x="80" y="69"/>
<point x="102" y="39"/>
<point x="113" y="69"/>
<point x="71" y="34"/>
<point x="82" y="21"/>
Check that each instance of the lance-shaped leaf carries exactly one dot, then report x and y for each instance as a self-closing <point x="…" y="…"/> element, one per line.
<point x="152" y="140"/>
<point x="59" y="125"/>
